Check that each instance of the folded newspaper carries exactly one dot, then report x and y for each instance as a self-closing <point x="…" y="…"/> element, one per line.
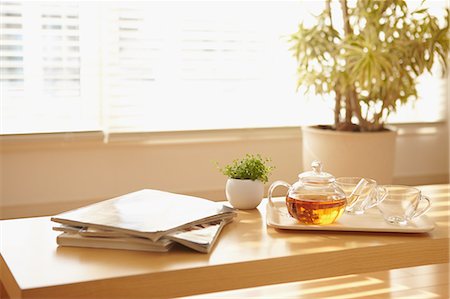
<point x="149" y="220"/>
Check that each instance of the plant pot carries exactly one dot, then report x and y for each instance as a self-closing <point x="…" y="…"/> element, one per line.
<point x="363" y="154"/>
<point x="244" y="194"/>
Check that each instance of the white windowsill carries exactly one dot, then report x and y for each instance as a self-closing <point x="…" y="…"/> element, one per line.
<point x="83" y="139"/>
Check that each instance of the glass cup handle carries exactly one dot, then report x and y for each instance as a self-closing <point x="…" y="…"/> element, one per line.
<point x="381" y="194"/>
<point x="423" y="210"/>
<point x="273" y="186"/>
<point x="353" y="198"/>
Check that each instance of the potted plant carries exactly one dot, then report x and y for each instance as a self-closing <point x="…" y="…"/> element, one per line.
<point x="246" y="177"/>
<point x="370" y="67"/>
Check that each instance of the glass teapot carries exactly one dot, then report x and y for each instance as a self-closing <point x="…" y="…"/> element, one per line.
<point x="315" y="198"/>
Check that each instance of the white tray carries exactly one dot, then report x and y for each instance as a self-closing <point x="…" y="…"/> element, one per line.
<point x="371" y="221"/>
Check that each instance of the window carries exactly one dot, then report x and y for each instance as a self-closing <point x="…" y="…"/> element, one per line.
<point x="200" y="65"/>
<point x="161" y="66"/>
<point x="42" y="88"/>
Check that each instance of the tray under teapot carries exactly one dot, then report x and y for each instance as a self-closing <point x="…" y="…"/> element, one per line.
<point x="371" y="221"/>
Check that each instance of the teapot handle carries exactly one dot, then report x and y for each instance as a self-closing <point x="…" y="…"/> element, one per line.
<point x="273" y="186"/>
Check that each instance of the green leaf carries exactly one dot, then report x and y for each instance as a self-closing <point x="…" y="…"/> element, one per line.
<point x="420" y="11"/>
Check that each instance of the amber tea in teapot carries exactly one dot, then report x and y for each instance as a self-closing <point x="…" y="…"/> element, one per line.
<point x="315" y="198"/>
<point x="315" y="209"/>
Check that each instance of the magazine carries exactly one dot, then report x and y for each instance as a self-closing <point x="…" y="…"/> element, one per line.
<point x="129" y="243"/>
<point x="146" y="213"/>
<point x="200" y="237"/>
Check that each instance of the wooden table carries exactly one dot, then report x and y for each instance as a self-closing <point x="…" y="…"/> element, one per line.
<point x="247" y="254"/>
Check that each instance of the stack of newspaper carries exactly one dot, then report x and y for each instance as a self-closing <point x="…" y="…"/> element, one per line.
<point x="148" y="220"/>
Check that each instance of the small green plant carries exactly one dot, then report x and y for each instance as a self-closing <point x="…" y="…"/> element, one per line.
<point x="251" y="167"/>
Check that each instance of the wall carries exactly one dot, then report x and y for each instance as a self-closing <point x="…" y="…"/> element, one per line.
<point x="47" y="174"/>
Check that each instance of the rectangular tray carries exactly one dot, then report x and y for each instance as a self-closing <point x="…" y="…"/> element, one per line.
<point x="371" y="221"/>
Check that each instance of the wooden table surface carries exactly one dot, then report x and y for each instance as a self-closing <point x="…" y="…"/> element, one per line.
<point x="247" y="254"/>
<point x="420" y="282"/>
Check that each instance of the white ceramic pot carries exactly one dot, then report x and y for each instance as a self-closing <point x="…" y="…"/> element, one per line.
<point x="244" y="194"/>
<point x="362" y="154"/>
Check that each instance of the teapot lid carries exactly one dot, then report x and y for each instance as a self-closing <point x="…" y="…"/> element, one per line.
<point x="316" y="176"/>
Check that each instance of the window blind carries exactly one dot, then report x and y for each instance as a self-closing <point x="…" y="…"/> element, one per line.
<point x="41" y="68"/>
<point x="131" y="59"/>
<point x="163" y="66"/>
<point x="12" y="85"/>
<point x="202" y="65"/>
<point x="178" y="66"/>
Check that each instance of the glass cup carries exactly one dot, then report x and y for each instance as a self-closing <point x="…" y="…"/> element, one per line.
<point x="362" y="193"/>
<point x="403" y="204"/>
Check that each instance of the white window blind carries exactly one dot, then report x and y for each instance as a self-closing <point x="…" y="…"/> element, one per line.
<point x="198" y="65"/>
<point x="132" y="57"/>
<point x="41" y="84"/>
<point x="163" y="66"/>
<point x="11" y="60"/>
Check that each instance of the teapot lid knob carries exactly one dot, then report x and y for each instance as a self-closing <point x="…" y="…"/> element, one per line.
<point x="316" y="176"/>
<point x="316" y="166"/>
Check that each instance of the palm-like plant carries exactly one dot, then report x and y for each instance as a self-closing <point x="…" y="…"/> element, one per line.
<point x="371" y="66"/>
